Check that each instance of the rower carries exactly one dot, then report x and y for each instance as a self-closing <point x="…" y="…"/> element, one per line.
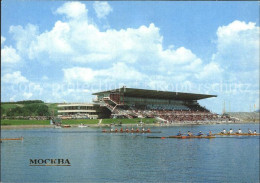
<point x="224" y="131"/>
<point x="230" y="131"/>
<point x="239" y="131"/>
<point x="121" y="130"/>
<point x="189" y="133"/>
<point x="249" y="131"/>
<point x="132" y="130"/>
<point x="116" y="130"/>
<point x="200" y="134"/>
<point x="210" y="133"/>
<point x="111" y="130"/>
<point x="143" y="130"/>
<point x="137" y="130"/>
<point x="179" y="133"/>
<point x="255" y="132"/>
<point x="148" y="130"/>
<point x="127" y="130"/>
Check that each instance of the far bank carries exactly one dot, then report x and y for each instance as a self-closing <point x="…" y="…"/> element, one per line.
<point x="137" y="122"/>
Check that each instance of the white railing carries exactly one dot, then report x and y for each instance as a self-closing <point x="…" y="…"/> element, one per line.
<point x="116" y="111"/>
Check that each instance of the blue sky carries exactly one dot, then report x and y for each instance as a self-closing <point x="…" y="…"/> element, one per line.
<point x="63" y="51"/>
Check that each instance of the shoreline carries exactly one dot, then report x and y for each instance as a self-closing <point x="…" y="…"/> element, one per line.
<point x="126" y="125"/>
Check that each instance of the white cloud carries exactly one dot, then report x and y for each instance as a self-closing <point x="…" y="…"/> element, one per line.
<point x="2" y="39"/>
<point x="238" y="46"/>
<point x="14" y="78"/>
<point x="78" y="74"/>
<point x="118" y="71"/>
<point x="24" y="37"/>
<point x="179" y="56"/>
<point x="73" y="10"/>
<point x="210" y="71"/>
<point x="234" y="28"/>
<point x="179" y="60"/>
<point x="35" y="88"/>
<point x="121" y="71"/>
<point x="85" y="43"/>
<point x="54" y="42"/>
<point x="79" y="42"/>
<point x="27" y="95"/>
<point x="9" y="55"/>
<point x="12" y="99"/>
<point x="102" y="9"/>
<point x="238" y="55"/>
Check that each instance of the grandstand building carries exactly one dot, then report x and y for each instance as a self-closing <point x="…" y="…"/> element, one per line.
<point x="164" y="105"/>
<point x="78" y="111"/>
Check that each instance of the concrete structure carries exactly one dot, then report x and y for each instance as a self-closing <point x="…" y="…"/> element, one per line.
<point x="78" y="111"/>
<point x="139" y="103"/>
<point x="132" y="102"/>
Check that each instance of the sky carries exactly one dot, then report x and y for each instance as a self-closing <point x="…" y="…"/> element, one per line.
<point x="59" y="51"/>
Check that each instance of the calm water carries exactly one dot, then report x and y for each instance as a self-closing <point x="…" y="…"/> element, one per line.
<point x="98" y="157"/>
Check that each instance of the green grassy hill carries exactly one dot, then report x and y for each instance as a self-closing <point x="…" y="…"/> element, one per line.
<point x="6" y="106"/>
<point x="10" y="106"/>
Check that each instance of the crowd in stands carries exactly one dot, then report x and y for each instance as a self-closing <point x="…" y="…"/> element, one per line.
<point x="195" y="113"/>
<point x="167" y="107"/>
<point x="169" y="113"/>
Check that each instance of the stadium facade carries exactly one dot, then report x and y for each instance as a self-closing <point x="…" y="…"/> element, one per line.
<point x="78" y="111"/>
<point x="140" y="103"/>
<point x="165" y="105"/>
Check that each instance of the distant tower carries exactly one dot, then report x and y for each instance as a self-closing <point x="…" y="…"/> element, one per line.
<point x="229" y="106"/>
<point x="124" y="87"/>
<point x="224" y="108"/>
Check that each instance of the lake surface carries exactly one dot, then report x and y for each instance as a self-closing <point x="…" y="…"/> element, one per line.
<point x="101" y="157"/>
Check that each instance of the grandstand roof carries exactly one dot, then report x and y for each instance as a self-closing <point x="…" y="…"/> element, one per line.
<point x="143" y="93"/>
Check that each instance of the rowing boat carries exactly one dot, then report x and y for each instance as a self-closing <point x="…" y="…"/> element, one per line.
<point x="238" y="134"/>
<point x="21" y="138"/>
<point x="155" y="137"/>
<point x="82" y="126"/>
<point x="184" y="137"/>
<point x="190" y="137"/>
<point x="130" y="132"/>
<point x="66" y="126"/>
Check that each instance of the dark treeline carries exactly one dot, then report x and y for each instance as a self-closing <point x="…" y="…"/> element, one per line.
<point x="36" y="109"/>
<point x="24" y="102"/>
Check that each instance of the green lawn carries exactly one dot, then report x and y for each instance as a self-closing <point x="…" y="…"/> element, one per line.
<point x="10" y="106"/>
<point x="78" y="121"/>
<point x="24" y="122"/>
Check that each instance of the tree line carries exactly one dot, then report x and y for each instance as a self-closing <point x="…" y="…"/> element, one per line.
<point x="24" y="102"/>
<point x="34" y="109"/>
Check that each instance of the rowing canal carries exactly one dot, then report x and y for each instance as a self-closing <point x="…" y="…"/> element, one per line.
<point x="101" y="157"/>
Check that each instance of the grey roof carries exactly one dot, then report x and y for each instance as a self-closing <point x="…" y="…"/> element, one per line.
<point x="144" y="93"/>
